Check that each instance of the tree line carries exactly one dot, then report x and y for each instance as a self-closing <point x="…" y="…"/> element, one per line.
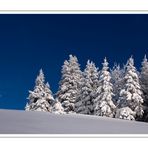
<point x="120" y="92"/>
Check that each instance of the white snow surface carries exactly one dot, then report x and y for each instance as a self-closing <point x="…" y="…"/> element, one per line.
<point x="35" y="122"/>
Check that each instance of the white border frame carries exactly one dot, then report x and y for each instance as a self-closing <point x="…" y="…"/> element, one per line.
<point x="73" y="135"/>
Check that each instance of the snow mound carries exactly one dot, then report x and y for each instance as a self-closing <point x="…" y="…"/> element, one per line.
<point x="34" y="122"/>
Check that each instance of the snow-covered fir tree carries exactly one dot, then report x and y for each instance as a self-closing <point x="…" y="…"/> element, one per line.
<point x="117" y="75"/>
<point x="103" y="104"/>
<point x="57" y="108"/>
<point x="69" y="88"/>
<point x="40" y="99"/>
<point x="131" y="94"/>
<point x="125" y="113"/>
<point x="144" y="86"/>
<point x="84" y="103"/>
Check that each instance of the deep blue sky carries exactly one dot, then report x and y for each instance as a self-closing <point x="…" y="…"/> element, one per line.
<point x="31" y="42"/>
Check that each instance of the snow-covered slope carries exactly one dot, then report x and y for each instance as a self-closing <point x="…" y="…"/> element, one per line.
<point x="21" y="122"/>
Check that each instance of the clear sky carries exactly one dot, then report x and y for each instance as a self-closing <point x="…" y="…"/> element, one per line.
<point x="30" y="42"/>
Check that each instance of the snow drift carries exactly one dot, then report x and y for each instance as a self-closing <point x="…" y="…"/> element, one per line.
<point x="29" y="122"/>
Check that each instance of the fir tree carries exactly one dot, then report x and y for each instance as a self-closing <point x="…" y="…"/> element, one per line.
<point x="84" y="104"/>
<point x="57" y="108"/>
<point x="117" y="75"/>
<point x="40" y="99"/>
<point x="70" y="84"/>
<point x="131" y="94"/>
<point x="104" y="105"/>
<point x="144" y="86"/>
<point x="125" y="113"/>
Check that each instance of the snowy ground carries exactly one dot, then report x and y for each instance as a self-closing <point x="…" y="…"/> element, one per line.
<point x="21" y="122"/>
